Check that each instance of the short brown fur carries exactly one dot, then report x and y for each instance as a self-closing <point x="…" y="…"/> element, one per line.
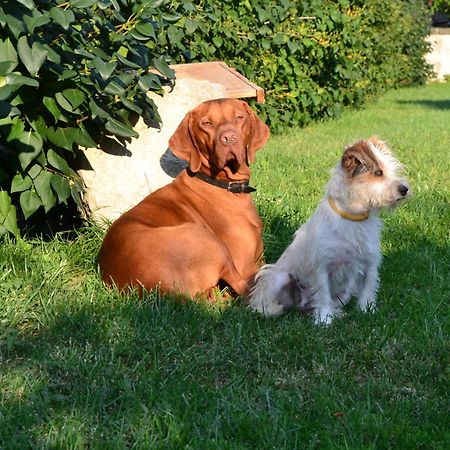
<point x="189" y="235"/>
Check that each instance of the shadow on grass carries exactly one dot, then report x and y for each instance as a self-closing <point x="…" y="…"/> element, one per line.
<point x="136" y="373"/>
<point x="158" y="373"/>
<point x="434" y="104"/>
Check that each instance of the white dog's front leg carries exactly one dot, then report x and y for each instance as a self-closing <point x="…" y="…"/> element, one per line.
<point x="368" y="297"/>
<point x="324" y="309"/>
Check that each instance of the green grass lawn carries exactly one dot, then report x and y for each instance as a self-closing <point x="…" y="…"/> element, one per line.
<point x="81" y="367"/>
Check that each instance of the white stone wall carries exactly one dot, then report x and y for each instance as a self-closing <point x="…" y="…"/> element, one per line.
<point x="439" y="56"/>
<point x="121" y="177"/>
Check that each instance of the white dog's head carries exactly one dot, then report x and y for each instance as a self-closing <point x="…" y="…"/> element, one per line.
<point x="368" y="177"/>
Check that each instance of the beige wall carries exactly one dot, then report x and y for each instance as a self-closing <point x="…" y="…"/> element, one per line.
<point x="439" y="56"/>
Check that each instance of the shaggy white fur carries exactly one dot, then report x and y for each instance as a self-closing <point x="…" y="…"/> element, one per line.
<point x="336" y="254"/>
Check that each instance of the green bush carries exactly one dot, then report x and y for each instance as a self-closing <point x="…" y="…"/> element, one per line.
<point x="314" y="57"/>
<point x="73" y="71"/>
<point x="442" y="6"/>
<point x="70" y="73"/>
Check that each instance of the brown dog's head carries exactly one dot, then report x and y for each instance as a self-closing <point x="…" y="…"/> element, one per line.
<point x="222" y="136"/>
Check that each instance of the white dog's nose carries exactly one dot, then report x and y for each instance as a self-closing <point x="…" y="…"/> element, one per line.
<point x="403" y="190"/>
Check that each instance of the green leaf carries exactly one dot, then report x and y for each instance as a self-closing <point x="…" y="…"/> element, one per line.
<point x="131" y="105"/>
<point x="35" y="21"/>
<point x="28" y="3"/>
<point x="105" y="69"/>
<point x="61" y="186"/>
<point x="52" y="106"/>
<point x="75" y="97"/>
<point x="76" y="188"/>
<point x="171" y="18"/>
<point x="152" y="3"/>
<point x="8" y="217"/>
<point x="52" y="55"/>
<point x="20" y="183"/>
<point x="96" y="51"/>
<point x="62" y="137"/>
<point x="67" y="75"/>
<point x="14" y="23"/>
<point x="35" y="170"/>
<point x="44" y="190"/>
<point x="40" y="126"/>
<point x="115" y="86"/>
<point x="9" y="84"/>
<point x="123" y="51"/>
<point x="97" y="111"/>
<point x="29" y="202"/>
<point x="8" y="57"/>
<point x="162" y="67"/>
<point x="138" y="36"/>
<point x="83" y="3"/>
<point x="120" y="129"/>
<point x="127" y="63"/>
<point x="63" y="17"/>
<point x="29" y="146"/>
<point x="176" y="35"/>
<point x="63" y="102"/>
<point x="58" y="162"/>
<point x="217" y="40"/>
<point x="146" y="29"/>
<point x="18" y="127"/>
<point x="32" y="57"/>
<point x="191" y="26"/>
<point x="20" y="80"/>
<point x="149" y="82"/>
<point x="84" y="139"/>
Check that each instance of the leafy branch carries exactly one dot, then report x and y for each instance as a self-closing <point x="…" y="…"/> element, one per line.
<point x="71" y="72"/>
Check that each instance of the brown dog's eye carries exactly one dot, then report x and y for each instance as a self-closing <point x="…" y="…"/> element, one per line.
<point x="239" y="117"/>
<point x="207" y="123"/>
<point x="378" y="173"/>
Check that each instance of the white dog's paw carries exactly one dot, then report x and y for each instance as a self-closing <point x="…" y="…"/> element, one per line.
<point x="324" y="316"/>
<point x="267" y="308"/>
<point x="367" y="305"/>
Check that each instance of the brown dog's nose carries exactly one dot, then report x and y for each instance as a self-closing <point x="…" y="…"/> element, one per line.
<point x="228" y="137"/>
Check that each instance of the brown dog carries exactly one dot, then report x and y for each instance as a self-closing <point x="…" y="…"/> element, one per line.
<point x="203" y="228"/>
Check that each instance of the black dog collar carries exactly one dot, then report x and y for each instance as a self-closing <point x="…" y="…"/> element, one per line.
<point x="235" y="187"/>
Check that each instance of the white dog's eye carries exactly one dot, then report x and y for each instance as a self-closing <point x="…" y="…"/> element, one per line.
<point x="378" y="173"/>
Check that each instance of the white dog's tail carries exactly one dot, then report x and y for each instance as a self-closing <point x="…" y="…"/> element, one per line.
<point x="274" y="291"/>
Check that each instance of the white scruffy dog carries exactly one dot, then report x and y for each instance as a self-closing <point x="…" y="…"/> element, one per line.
<point x="336" y="254"/>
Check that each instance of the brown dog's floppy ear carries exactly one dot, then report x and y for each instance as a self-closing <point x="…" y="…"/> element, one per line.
<point x="258" y="135"/>
<point x="183" y="145"/>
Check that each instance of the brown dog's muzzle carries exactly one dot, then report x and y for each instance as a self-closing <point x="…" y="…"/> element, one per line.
<point x="228" y="137"/>
<point x="229" y="150"/>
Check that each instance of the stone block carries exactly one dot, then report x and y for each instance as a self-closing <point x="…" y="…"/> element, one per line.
<point x="117" y="177"/>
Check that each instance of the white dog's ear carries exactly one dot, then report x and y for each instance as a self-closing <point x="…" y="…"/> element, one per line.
<point x="352" y="162"/>
<point x="360" y="158"/>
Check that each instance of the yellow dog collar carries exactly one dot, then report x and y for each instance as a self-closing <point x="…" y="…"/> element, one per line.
<point x="346" y="215"/>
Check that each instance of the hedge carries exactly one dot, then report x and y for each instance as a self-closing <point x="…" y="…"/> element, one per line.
<point x="71" y="72"/>
<point x="75" y="71"/>
<point x="314" y="57"/>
